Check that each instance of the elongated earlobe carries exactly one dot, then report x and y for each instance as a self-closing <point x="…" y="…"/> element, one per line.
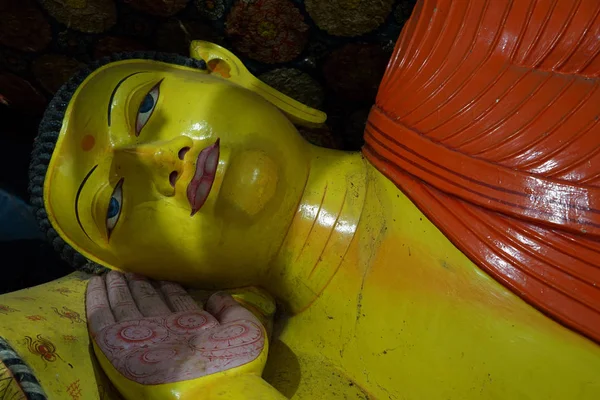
<point x="222" y="62"/>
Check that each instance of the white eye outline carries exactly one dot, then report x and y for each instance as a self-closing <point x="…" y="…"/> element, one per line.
<point x="118" y="195"/>
<point x="143" y="117"/>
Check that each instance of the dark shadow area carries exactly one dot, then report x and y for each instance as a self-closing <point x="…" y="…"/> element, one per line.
<point x="27" y="263"/>
<point x="27" y="259"/>
<point x="282" y="370"/>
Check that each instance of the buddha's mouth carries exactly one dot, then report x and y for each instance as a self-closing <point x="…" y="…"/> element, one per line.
<point x="202" y="181"/>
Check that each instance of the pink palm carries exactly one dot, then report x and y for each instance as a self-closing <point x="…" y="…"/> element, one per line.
<point x="162" y="336"/>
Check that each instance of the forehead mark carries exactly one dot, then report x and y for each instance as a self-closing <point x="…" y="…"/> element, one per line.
<point x="88" y="142"/>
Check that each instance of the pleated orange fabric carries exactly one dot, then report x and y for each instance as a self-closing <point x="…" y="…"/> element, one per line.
<point x="488" y="119"/>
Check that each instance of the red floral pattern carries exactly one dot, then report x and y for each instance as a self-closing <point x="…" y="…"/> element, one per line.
<point x="42" y="347"/>
<point x="211" y="9"/>
<point x="83" y="15"/>
<point x="348" y="17"/>
<point x="69" y="314"/>
<point x="36" y="318"/>
<point x="270" y="31"/>
<point x="4" y="309"/>
<point x="22" y="26"/>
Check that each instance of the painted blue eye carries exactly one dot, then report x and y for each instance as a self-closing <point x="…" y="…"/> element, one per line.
<point x="146" y="109"/>
<point x="147" y="104"/>
<point x="114" y="207"/>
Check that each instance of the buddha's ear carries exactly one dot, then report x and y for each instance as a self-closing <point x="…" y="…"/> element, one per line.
<point x="224" y="63"/>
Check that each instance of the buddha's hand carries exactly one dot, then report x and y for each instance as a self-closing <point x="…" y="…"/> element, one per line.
<point x="160" y="335"/>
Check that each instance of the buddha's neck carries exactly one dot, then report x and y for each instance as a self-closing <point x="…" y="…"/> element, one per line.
<point x="322" y="229"/>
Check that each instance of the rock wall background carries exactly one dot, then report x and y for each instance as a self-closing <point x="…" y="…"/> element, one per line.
<point x="329" y="54"/>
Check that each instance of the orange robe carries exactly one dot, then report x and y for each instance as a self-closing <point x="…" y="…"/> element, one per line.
<point x="488" y="119"/>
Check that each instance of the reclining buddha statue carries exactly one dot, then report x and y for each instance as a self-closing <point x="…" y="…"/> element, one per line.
<point x="455" y="257"/>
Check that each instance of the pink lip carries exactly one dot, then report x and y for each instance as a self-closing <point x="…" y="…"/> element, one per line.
<point x="201" y="184"/>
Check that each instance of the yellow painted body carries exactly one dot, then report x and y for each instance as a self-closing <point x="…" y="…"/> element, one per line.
<point x="375" y="302"/>
<point x="46" y="326"/>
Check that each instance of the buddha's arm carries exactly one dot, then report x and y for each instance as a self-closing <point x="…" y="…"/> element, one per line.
<point x="157" y="343"/>
<point x="45" y="326"/>
<point x="225" y="385"/>
<point x="248" y="386"/>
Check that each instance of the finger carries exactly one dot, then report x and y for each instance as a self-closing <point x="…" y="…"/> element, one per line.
<point x="177" y="297"/>
<point x="146" y="297"/>
<point x="119" y="297"/>
<point x="225" y="309"/>
<point x="97" y="308"/>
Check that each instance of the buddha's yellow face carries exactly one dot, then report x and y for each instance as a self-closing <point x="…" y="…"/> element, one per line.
<point x="174" y="173"/>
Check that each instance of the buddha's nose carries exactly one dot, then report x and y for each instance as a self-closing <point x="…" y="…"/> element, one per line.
<point x="163" y="161"/>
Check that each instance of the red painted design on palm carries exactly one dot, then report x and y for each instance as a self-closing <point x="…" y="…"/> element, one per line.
<point x="176" y="346"/>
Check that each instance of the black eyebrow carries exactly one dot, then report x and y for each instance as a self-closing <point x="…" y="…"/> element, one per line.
<point x="112" y="96"/>
<point x="77" y="199"/>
